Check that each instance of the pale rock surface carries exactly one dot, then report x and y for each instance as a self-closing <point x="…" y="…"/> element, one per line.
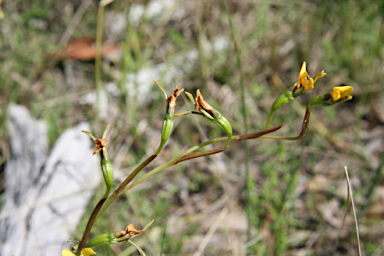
<point x="45" y="196"/>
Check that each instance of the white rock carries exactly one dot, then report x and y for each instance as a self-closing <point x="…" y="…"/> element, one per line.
<point x="44" y="199"/>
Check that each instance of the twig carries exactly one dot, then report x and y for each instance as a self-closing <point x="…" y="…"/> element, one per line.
<point x="353" y="209"/>
<point x="211" y="231"/>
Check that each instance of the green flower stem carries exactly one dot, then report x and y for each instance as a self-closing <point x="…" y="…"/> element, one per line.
<point x="270" y="117"/>
<point x="189" y="152"/>
<point x="122" y="188"/>
<point x="106" y="167"/>
<point x="99" y="209"/>
<point x="107" y="170"/>
<point x="133" y="174"/>
<point x="177" y="159"/>
<point x="304" y="128"/>
<point x="283" y="99"/>
<point x="221" y="149"/>
<point x="160" y="168"/>
<point x="201" y="154"/>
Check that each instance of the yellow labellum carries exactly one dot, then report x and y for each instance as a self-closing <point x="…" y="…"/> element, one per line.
<point x="84" y="252"/>
<point x="304" y="79"/>
<point x="342" y="93"/>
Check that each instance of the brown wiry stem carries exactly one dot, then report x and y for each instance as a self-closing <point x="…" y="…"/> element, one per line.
<point x="200" y="154"/>
<point x="95" y="212"/>
<point x="218" y="150"/>
<point x="122" y="189"/>
<point x="257" y="134"/>
<point x="90" y="223"/>
<point x="133" y="174"/>
<point x="304" y="128"/>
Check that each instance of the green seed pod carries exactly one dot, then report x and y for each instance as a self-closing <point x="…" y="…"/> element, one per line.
<point x="169" y="116"/>
<point x="106" y="168"/>
<point x="107" y="238"/>
<point x="166" y="130"/>
<point x="225" y="125"/>
<point x="212" y="114"/>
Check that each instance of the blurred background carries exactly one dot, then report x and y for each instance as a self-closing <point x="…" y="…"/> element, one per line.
<point x="292" y="197"/>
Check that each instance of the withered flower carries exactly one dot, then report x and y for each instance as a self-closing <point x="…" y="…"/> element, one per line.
<point x="106" y="166"/>
<point x="131" y="231"/>
<point x="169" y="116"/>
<point x="99" y="145"/>
<point x="203" y="108"/>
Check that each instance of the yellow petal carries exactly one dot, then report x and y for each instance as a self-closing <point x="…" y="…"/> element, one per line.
<point x="87" y="252"/>
<point x="307" y="83"/>
<point x="319" y="76"/>
<point x="303" y="70"/>
<point x="67" y="253"/>
<point x="342" y="93"/>
<point x="304" y="79"/>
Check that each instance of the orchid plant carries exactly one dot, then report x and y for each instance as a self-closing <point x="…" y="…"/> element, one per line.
<point x="203" y="109"/>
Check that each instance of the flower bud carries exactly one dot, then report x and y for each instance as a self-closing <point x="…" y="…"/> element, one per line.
<point x="338" y="94"/>
<point x="106" y="238"/>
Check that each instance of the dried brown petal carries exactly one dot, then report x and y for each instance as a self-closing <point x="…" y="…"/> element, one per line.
<point x="172" y="99"/>
<point x="201" y="104"/>
<point x="131" y="230"/>
<point x="100" y="144"/>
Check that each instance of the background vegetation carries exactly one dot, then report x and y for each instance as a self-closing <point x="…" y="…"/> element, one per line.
<point x="297" y="189"/>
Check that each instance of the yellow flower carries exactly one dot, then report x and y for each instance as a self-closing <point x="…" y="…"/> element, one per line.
<point x="304" y="81"/>
<point x="84" y="252"/>
<point x="303" y="84"/>
<point x="342" y="93"/>
<point x="338" y="94"/>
